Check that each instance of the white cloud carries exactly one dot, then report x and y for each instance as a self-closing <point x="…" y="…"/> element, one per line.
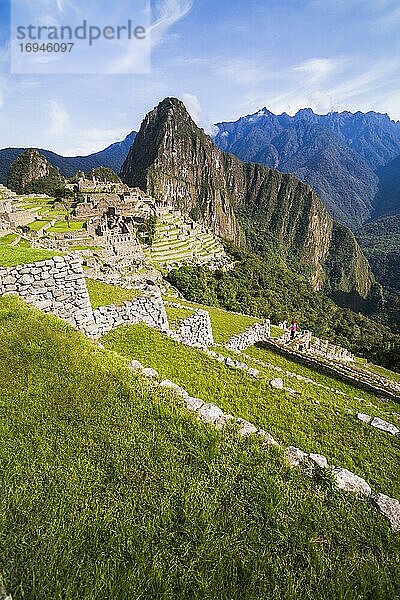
<point x="317" y="70"/>
<point x="59" y="117"/>
<point x="195" y="110"/>
<point x="166" y="14"/>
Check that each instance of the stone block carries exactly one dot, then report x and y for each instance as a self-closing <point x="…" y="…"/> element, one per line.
<point x="349" y="482"/>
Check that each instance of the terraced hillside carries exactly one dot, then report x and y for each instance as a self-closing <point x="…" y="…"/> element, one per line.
<point x="111" y="488"/>
<point x="180" y="240"/>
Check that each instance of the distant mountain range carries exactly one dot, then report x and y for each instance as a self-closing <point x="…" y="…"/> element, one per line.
<point x="249" y="204"/>
<point x="113" y="157"/>
<point x="351" y="160"/>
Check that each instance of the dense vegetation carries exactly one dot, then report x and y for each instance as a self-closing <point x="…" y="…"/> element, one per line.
<point x="264" y="287"/>
<point x="110" y="489"/>
<point x="31" y="173"/>
<point x="380" y="241"/>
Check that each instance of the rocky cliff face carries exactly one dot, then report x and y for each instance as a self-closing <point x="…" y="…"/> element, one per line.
<point x="31" y="172"/>
<point x="247" y="203"/>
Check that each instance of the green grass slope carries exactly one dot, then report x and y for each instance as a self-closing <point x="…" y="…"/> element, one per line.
<point x="315" y="420"/>
<point x="110" y="489"/>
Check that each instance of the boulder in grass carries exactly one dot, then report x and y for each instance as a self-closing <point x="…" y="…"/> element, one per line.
<point x="384" y="426"/>
<point x="364" y="418"/>
<point x="277" y="383"/>
<point x="135" y="365"/>
<point x="319" y="460"/>
<point x="152" y="373"/>
<point x="246" y="428"/>
<point x="193" y="403"/>
<point x="268" y="440"/>
<point x="210" y="413"/>
<point x="175" y="387"/>
<point x="295" y="456"/>
<point x="349" y="482"/>
<point x="390" y="508"/>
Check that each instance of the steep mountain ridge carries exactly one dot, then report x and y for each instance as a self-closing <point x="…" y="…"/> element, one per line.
<point x="113" y="157"/>
<point x="32" y="172"/>
<point x="172" y="159"/>
<point x="339" y="154"/>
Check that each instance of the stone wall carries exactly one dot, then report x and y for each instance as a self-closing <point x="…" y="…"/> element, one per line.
<point x="58" y="286"/>
<point x="195" y="331"/>
<point x="256" y="333"/>
<point x="54" y="286"/>
<point x="147" y="309"/>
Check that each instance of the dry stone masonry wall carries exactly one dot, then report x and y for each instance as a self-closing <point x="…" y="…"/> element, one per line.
<point x="58" y="286"/>
<point x="195" y="331"/>
<point x="256" y="333"/>
<point x="54" y="286"/>
<point x="147" y="309"/>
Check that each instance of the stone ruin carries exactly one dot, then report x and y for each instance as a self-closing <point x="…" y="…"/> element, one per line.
<point x="130" y="202"/>
<point x="11" y="217"/>
<point x="306" y="342"/>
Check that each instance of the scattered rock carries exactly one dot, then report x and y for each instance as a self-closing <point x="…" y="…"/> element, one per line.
<point x="246" y="428"/>
<point x="277" y="383"/>
<point x="290" y="391"/>
<point x="173" y="386"/>
<point x="364" y="418"/>
<point x="193" y="403"/>
<point x="224" y="420"/>
<point x="210" y="413"/>
<point x="135" y="365"/>
<point x="349" y="482"/>
<point x="390" y="508"/>
<point x="319" y="460"/>
<point x="294" y="456"/>
<point x="253" y="372"/>
<point x="384" y="426"/>
<point x="148" y="372"/>
<point x="268" y="440"/>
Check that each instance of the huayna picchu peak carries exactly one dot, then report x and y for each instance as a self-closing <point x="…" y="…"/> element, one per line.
<point x="247" y="203"/>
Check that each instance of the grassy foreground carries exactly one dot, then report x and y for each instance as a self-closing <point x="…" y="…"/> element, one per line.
<point x="315" y="420"/>
<point x="111" y="490"/>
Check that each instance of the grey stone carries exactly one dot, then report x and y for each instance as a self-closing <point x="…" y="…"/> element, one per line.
<point x="176" y="388"/>
<point x="135" y="365"/>
<point x="390" y="508"/>
<point x="349" y="482"/>
<point x="152" y="373"/>
<point x="253" y="372"/>
<point x="363" y="417"/>
<point x="193" y="403"/>
<point x="319" y="460"/>
<point x="246" y="428"/>
<point x="277" y="384"/>
<point x="384" y="426"/>
<point x="268" y="440"/>
<point x="210" y="413"/>
<point x="294" y="456"/>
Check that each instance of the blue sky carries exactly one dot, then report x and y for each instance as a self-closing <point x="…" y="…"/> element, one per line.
<point x="225" y="59"/>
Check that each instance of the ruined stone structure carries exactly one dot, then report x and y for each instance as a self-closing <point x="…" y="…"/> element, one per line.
<point x="130" y="202"/>
<point x="54" y="286"/>
<point x="256" y="333"/>
<point x="317" y="347"/>
<point x="11" y="217"/>
<point x="58" y="286"/>
<point x="148" y="309"/>
<point x="195" y="331"/>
